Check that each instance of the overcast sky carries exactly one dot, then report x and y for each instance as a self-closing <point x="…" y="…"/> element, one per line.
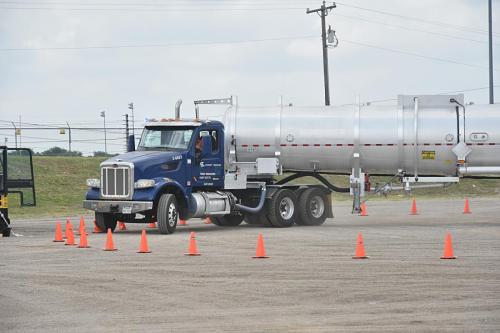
<point x="67" y="60"/>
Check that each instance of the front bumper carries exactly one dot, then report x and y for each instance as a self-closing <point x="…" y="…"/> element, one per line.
<point x="124" y="207"/>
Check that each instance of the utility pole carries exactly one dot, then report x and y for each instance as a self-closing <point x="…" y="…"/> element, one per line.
<point x="69" y="137"/>
<point x="323" y="11"/>
<point x="131" y="107"/>
<point x="490" y="23"/>
<point x="103" y="114"/>
<point x="127" y="132"/>
<point x="15" y="132"/>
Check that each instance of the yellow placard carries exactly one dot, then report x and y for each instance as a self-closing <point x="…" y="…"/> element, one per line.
<point x="4" y="202"/>
<point x="428" y="154"/>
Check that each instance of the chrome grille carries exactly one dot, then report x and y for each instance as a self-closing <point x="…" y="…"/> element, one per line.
<point x="116" y="181"/>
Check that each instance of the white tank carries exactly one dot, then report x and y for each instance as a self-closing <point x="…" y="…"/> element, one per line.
<point x="416" y="136"/>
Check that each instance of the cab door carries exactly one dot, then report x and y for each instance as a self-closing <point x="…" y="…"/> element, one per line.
<point x="208" y="163"/>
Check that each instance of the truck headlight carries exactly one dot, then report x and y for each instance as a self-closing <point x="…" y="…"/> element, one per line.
<point x="144" y="183"/>
<point x="93" y="182"/>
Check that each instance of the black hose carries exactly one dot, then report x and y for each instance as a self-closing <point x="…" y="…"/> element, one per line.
<point x="254" y="210"/>
<point x="318" y="177"/>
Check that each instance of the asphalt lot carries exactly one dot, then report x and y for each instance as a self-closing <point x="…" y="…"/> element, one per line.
<point x="310" y="283"/>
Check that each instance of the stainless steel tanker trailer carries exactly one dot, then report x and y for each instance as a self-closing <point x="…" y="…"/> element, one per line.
<point x="232" y="170"/>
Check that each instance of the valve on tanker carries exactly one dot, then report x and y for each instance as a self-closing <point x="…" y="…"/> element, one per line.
<point x="368" y="184"/>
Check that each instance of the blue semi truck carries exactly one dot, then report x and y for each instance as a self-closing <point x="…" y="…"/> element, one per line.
<point x="183" y="169"/>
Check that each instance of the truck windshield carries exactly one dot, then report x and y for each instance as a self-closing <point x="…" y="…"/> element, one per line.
<point x="161" y="138"/>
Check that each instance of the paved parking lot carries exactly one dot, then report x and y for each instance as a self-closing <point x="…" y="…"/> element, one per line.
<point x="309" y="283"/>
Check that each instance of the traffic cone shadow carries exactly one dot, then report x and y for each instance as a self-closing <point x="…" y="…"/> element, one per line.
<point x="448" y="248"/>
<point x="143" y="247"/>
<point x="58" y="236"/>
<point x="260" y="252"/>
<point x="360" y="248"/>
<point x="193" y="249"/>
<point x="110" y="245"/>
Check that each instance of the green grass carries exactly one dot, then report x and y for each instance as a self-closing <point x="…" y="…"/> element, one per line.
<point x="60" y="187"/>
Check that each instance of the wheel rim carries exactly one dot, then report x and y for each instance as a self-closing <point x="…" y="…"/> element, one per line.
<point x="317" y="206"/>
<point x="286" y="208"/>
<point x="172" y="215"/>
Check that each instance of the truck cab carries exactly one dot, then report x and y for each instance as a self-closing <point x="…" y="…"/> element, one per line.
<point x="179" y="171"/>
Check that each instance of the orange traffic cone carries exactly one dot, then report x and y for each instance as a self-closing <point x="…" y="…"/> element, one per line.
<point x="110" y="245"/>
<point x="413" y="210"/>
<point x="68" y="226"/>
<point x="81" y="228"/>
<point x="182" y="222"/>
<point x="467" y="207"/>
<point x="70" y="237"/>
<point x="83" y="240"/>
<point x="193" y="250"/>
<point x="97" y="230"/>
<point x="143" y="247"/>
<point x="152" y="225"/>
<point x="121" y="226"/>
<point x="207" y="220"/>
<point x="363" y="209"/>
<point x="360" y="249"/>
<point x="260" y="252"/>
<point x="448" y="248"/>
<point x="58" y="237"/>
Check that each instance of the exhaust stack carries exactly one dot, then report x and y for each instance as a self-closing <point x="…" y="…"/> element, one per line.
<point x="178" y="109"/>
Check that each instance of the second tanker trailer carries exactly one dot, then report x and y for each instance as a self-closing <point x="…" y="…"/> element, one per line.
<point x="186" y="168"/>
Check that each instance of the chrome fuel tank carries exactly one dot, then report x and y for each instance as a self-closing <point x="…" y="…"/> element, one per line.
<point x="417" y="135"/>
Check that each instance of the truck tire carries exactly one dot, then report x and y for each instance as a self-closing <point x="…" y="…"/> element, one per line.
<point x="282" y="208"/>
<point x="106" y="221"/>
<point x="227" y="220"/>
<point x="167" y="213"/>
<point x="312" y="207"/>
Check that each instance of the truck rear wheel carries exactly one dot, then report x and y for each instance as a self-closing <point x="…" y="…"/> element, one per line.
<point x="167" y="213"/>
<point x="227" y="220"/>
<point x="312" y="207"/>
<point x="106" y="221"/>
<point x="282" y="208"/>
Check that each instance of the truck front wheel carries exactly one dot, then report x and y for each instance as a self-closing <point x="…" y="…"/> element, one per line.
<point x="105" y="221"/>
<point x="167" y="213"/>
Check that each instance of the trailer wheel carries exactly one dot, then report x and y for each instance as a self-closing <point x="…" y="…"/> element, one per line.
<point x="227" y="220"/>
<point x="312" y="207"/>
<point x="167" y="213"/>
<point x="282" y="208"/>
<point x="106" y="221"/>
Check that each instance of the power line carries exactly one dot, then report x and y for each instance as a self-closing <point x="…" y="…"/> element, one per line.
<point x="156" y="45"/>
<point x="416" y="55"/>
<point x="442" y="24"/>
<point x="434" y="33"/>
